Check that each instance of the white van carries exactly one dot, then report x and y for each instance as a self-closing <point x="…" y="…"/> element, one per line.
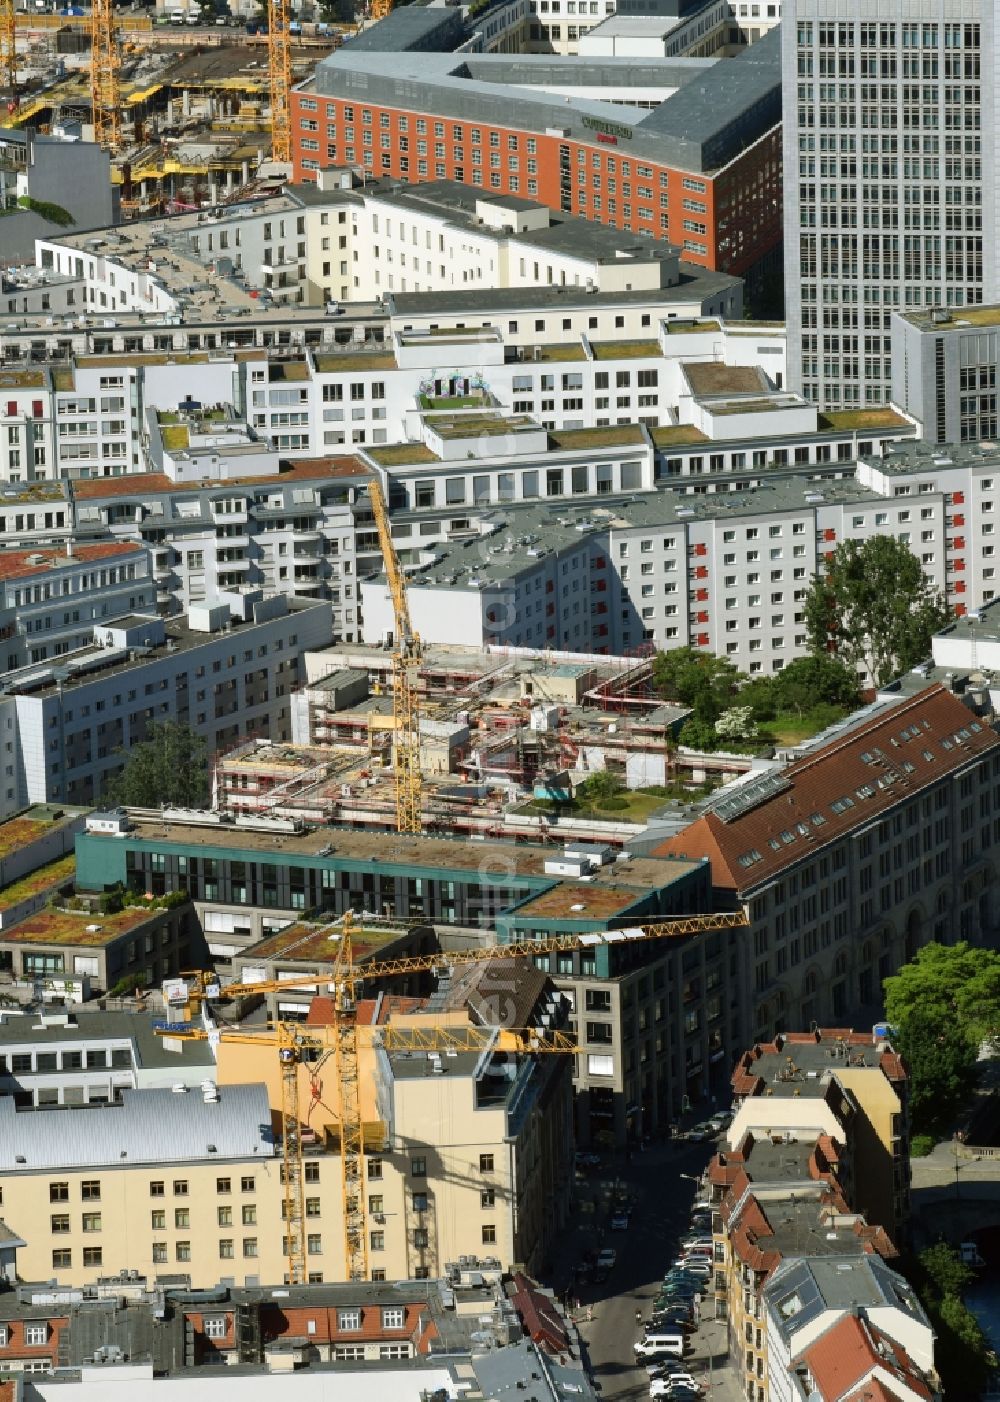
<point x="659" y="1344"/>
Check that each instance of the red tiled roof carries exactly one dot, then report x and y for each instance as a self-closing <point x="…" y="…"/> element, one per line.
<point x="894" y="740"/>
<point x="849" y="1352"/>
<point x="142" y="483"/>
<point x="540" y="1315"/>
<point x="14" y="563"/>
<point x="321" y="1009"/>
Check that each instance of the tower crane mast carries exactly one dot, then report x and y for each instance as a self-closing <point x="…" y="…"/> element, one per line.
<point x="345" y="979"/>
<point x="105" y="61"/>
<point x="406" y="659"/>
<point x="8" y="49"/>
<point x="279" y="58"/>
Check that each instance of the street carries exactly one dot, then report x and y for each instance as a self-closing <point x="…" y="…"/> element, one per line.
<point x="661" y="1183"/>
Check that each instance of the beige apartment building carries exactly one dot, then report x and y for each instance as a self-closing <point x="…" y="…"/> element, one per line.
<point x="468" y="1155"/>
<point x="161" y="1184"/>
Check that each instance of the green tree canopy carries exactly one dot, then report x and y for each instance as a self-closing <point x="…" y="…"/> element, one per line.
<point x="808" y="680"/>
<point x="697" y="679"/>
<point x="957" y="984"/>
<point x="874" y="608"/>
<point x="598" y="786"/>
<point x="169" y="766"/>
<point x="942" y="1066"/>
<point x="943" y="1003"/>
<point x="962" y="1353"/>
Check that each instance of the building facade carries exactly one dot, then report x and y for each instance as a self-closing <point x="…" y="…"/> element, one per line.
<point x="889" y="195"/>
<point x="850" y="859"/>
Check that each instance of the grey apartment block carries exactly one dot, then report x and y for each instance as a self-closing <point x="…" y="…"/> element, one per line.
<point x="889" y="159"/>
<point x="944" y="372"/>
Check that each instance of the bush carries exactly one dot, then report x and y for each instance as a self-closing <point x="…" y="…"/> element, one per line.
<point x="921" y="1145"/>
<point x="613" y="804"/>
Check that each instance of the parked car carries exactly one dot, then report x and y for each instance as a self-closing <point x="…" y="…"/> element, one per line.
<point x="606" y="1258"/>
<point x="722" y="1120"/>
<point x="619" y="1222"/>
<point x="667" y="1387"/>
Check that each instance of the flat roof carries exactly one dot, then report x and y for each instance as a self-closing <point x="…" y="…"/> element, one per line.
<point x="78" y="928"/>
<point x="310" y="943"/>
<point x="523" y="861"/>
<point x="84" y="1025"/>
<point x="39" y="820"/>
<point x="22" y="564"/>
<point x="953" y="318"/>
<point x="315" y="469"/>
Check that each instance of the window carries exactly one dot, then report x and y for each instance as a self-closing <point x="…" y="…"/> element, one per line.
<point x="487" y="1198"/>
<point x="91" y="1221"/>
<point x="393" y="1318"/>
<point x="485" y="1163"/>
<point x="348" y="1321"/>
<point x="249" y="1246"/>
<point x="159" y="1253"/>
<point x="418" y="1167"/>
<point x="377" y="1241"/>
<point x="93" y="1256"/>
<point x="183" y="1251"/>
<point x="58" y="1192"/>
<point x="60" y="1222"/>
<point x="223" y="1185"/>
<point x="62" y="1258"/>
<point x="247" y="1185"/>
<point x="489" y="1234"/>
<point x="35" y="1335"/>
<point x="182" y="1218"/>
<point x="157" y="1189"/>
<point x="216" y="1326"/>
<point x="250" y="1214"/>
<point x="180" y="1188"/>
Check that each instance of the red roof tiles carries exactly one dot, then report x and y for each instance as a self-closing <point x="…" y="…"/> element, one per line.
<point x="540" y="1315"/>
<point x="850" y="1352"/>
<point x="905" y="749"/>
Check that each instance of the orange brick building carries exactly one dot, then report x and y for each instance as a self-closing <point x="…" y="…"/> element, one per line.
<point x="700" y="168"/>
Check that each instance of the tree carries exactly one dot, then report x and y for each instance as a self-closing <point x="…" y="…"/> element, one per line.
<point x="170" y="766"/>
<point x="962" y="1353"/>
<point x="942" y="1066"/>
<point x="809" y="681"/>
<point x="696" y="679"/>
<point x="873" y="607"/>
<point x="944" y="1003"/>
<point x="957" y="984"/>
<point x="598" y="787"/>
<point x="736" y="723"/>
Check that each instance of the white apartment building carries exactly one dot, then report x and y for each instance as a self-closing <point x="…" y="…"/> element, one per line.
<point x="226" y="671"/>
<point x="51" y="601"/>
<point x="727" y="572"/>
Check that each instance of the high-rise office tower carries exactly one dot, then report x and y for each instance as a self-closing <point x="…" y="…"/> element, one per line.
<point x="889" y="183"/>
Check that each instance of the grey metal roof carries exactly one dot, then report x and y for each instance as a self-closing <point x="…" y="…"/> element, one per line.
<point x="733" y="101"/>
<point x="800" y="1290"/>
<point x="148" y="1127"/>
<point x="520" y="1369"/>
<point x="729" y="106"/>
<point x="412" y="27"/>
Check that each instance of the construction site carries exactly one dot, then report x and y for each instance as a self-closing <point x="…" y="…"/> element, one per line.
<point x="190" y="116"/>
<point x="505" y="739"/>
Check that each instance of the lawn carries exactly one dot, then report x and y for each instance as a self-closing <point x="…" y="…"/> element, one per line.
<point x="791" y="728"/>
<point x="639" y="804"/>
<point x="455" y="401"/>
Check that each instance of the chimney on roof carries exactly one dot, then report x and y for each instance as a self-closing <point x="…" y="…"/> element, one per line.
<point x="69" y="549"/>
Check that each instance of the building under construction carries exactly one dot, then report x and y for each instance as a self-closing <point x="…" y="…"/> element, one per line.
<point x="186" y="115"/>
<point x="505" y="740"/>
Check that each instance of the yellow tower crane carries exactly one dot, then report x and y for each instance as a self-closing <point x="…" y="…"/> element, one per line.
<point x="406" y="659"/>
<point x="105" y="61"/>
<point x="279" y="57"/>
<point x="381" y="8"/>
<point x="296" y="1042"/>
<point x="8" y="51"/>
